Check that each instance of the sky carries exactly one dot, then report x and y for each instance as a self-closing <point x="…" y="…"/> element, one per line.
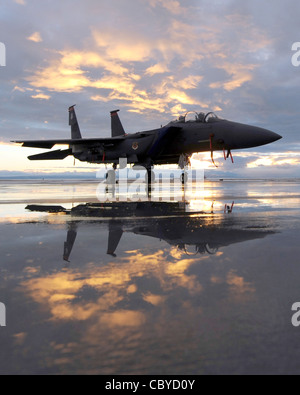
<point x="154" y="60"/>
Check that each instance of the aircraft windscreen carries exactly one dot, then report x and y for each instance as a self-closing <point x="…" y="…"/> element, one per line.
<point x="198" y="117"/>
<point x="211" y="117"/>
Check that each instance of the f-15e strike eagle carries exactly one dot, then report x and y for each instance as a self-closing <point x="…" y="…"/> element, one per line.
<point x="171" y="144"/>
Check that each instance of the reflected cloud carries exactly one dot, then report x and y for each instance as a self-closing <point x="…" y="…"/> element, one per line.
<point x="20" y="338"/>
<point x="123" y="318"/>
<point x="64" y="294"/>
<point x="101" y="292"/>
<point x="240" y="290"/>
<point x="146" y="276"/>
<point x="155" y="300"/>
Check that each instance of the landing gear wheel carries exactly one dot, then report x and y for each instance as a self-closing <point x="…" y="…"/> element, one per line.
<point x="184" y="178"/>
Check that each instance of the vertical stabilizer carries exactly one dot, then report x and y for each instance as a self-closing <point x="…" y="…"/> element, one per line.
<point x="116" y="125"/>
<point x="69" y="244"/>
<point x="115" y="235"/>
<point x="75" y="130"/>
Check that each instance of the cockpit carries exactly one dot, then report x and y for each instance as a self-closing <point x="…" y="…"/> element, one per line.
<point x="200" y="117"/>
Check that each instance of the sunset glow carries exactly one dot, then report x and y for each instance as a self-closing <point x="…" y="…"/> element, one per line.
<point x="189" y="60"/>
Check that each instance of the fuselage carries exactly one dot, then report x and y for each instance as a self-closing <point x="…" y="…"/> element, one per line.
<point x="182" y="137"/>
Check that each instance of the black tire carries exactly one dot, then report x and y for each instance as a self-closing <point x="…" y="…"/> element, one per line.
<point x="184" y="178"/>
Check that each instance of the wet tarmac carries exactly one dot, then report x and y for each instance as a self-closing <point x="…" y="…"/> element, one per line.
<point x="196" y="283"/>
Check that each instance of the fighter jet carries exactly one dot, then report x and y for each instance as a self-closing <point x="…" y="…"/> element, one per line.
<point x="173" y="143"/>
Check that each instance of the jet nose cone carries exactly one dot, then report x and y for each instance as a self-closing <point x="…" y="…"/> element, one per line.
<point x="265" y="136"/>
<point x="246" y="136"/>
<point x="275" y="137"/>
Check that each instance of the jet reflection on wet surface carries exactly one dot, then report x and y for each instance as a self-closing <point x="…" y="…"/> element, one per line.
<point x="197" y="284"/>
<point x="193" y="232"/>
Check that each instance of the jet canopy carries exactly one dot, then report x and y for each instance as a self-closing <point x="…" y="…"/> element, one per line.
<point x="200" y="117"/>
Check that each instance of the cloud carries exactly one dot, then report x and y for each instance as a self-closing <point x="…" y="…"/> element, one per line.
<point x="250" y="164"/>
<point x="287" y="159"/>
<point x="67" y="72"/>
<point x="239" y="75"/>
<point x="35" y="37"/>
<point x="62" y="75"/>
<point x="41" y="96"/>
<point x="172" y="6"/>
<point x="128" y="48"/>
<point x="119" y="70"/>
<point x="19" y="89"/>
<point x="158" y="68"/>
<point x="156" y="58"/>
<point x="20" y="2"/>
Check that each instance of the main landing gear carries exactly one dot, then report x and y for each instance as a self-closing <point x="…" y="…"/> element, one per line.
<point x="150" y="177"/>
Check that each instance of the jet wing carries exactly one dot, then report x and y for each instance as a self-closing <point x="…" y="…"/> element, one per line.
<point x="52" y="155"/>
<point x="48" y="144"/>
